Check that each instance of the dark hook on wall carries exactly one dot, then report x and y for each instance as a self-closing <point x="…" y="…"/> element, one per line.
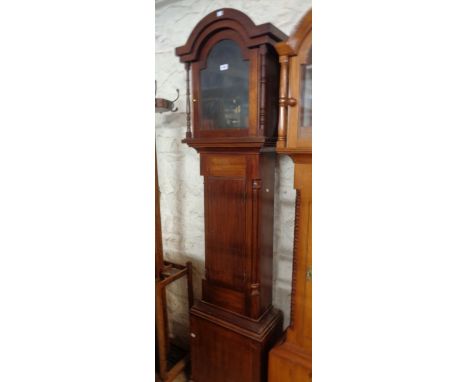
<point x="162" y="105"/>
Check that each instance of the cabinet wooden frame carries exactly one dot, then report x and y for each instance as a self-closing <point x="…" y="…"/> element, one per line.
<point x="291" y="359"/>
<point x="292" y="54"/>
<point x="257" y="46"/>
<point x="293" y="139"/>
<point x="248" y="55"/>
<point x="238" y="166"/>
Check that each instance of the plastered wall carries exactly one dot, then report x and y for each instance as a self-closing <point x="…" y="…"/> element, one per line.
<point x="181" y="185"/>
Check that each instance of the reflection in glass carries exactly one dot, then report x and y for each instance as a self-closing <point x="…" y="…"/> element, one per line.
<point x="306" y="93"/>
<point x="225" y="88"/>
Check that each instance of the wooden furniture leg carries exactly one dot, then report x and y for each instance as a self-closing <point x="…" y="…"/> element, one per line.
<point x="189" y="284"/>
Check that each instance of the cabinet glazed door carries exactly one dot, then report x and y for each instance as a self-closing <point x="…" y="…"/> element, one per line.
<point x="224" y="88"/>
<point x="300" y="116"/>
<point x="223" y="91"/>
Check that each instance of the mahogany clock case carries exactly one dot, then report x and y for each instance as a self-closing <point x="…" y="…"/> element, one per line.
<point x="291" y="360"/>
<point x="235" y="82"/>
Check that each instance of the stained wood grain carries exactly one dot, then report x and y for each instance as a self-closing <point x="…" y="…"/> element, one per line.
<point x="234" y="325"/>
<point x="291" y="360"/>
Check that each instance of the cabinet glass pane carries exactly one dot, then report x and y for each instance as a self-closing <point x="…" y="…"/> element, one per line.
<point x="306" y="96"/>
<point x="224" y="86"/>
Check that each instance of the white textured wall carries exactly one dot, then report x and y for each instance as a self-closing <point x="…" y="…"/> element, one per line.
<point x="180" y="182"/>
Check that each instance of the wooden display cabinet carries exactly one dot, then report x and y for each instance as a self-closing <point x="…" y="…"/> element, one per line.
<point x="235" y="83"/>
<point x="291" y="360"/>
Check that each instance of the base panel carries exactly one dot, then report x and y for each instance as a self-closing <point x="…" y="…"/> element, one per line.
<point x="226" y="347"/>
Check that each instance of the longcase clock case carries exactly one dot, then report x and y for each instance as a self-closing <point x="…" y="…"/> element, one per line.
<point x="291" y="360"/>
<point x="234" y="104"/>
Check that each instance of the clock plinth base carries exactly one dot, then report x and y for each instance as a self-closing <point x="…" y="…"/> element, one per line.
<point x="227" y="347"/>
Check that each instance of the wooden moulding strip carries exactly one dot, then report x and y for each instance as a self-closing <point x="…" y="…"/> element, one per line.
<point x="241" y="326"/>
